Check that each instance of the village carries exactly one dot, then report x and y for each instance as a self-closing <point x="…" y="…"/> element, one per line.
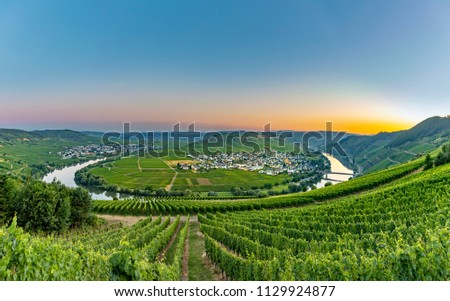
<point x="270" y="163"/>
<point x="91" y="150"/>
<point x="264" y="162"/>
<point x="107" y="150"/>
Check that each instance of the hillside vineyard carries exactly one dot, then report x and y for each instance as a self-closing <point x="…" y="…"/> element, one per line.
<point x="392" y="225"/>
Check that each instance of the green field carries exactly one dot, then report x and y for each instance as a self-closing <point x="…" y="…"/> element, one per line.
<point x="224" y="180"/>
<point x="140" y="173"/>
<point x="136" y="173"/>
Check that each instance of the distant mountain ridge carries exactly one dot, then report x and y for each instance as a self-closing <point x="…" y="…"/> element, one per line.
<point x="14" y="134"/>
<point x="371" y="153"/>
<point x="431" y="129"/>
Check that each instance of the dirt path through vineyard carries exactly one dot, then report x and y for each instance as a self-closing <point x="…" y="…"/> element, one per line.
<point x="124" y="219"/>
<point x="200" y="267"/>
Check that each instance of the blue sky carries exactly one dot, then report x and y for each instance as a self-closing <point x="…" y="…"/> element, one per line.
<point x="223" y="64"/>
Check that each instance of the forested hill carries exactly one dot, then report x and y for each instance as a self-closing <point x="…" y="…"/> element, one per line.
<point x="36" y="152"/>
<point x="434" y="129"/>
<point x="14" y="134"/>
<point x="371" y="153"/>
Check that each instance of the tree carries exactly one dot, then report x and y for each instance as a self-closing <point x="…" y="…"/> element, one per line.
<point x="328" y="184"/>
<point x="294" y="187"/>
<point x="428" y="162"/>
<point x="262" y="194"/>
<point x="62" y="212"/>
<point x="444" y="156"/>
<point x="3" y="201"/>
<point x="235" y="190"/>
<point x="8" y="190"/>
<point x="187" y="192"/>
<point x="42" y="207"/>
<point x="160" y="192"/>
<point x="81" y="205"/>
<point x="268" y="186"/>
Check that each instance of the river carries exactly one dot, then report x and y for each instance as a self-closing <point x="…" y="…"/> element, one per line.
<point x="338" y="167"/>
<point x="67" y="177"/>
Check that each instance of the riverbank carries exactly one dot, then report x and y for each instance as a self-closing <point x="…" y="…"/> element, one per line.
<point x="66" y="176"/>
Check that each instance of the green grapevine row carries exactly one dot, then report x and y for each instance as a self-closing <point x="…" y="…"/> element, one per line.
<point x="118" y="254"/>
<point x="155" y="247"/>
<point x="400" y="232"/>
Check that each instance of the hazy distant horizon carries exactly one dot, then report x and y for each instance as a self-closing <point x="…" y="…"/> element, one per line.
<point x="167" y="127"/>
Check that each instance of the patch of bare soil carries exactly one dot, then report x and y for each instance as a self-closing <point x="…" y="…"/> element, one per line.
<point x="203" y="181"/>
<point x="125" y="220"/>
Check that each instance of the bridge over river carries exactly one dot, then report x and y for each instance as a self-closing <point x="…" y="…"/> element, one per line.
<point x="327" y="176"/>
<point x="340" y="173"/>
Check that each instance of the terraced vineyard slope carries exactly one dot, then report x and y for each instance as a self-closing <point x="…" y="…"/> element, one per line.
<point x="401" y="232"/>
